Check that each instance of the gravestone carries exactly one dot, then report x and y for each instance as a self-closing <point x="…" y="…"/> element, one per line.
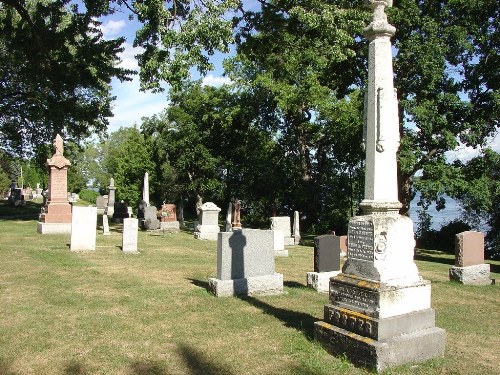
<point x="100" y="204"/>
<point x="228" y="227"/>
<point x="151" y="222"/>
<point x="120" y="211"/>
<point x="282" y="224"/>
<point x="296" y="228"/>
<point x="379" y="313"/>
<point x="181" y="214"/>
<point x="326" y="262"/>
<point x="343" y="246"/>
<point x="145" y="189"/>
<point x="105" y="225"/>
<point x="236" y="214"/>
<point x="245" y="264"/>
<point x="469" y="260"/>
<point x="208" y="226"/>
<point x="111" y="197"/>
<point x="129" y="237"/>
<point x="168" y="217"/>
<point x="83" y="229"/>
<point x="279" y="244"/>
<point x="56" y="216"/>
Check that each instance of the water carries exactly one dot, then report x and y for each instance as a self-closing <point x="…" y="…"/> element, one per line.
<point x="452" y="211"/>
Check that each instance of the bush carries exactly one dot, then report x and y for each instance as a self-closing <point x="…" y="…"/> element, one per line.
<point x="442" y="239"/>
<point x="88" y="195"/>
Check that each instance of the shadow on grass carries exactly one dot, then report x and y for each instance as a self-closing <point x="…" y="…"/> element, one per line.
<point x="294" y="284"/>
<point x="300" y="321"/>
<point x="28" y="212"/>
<point x="198" y="364"/>
<point x="146" y="368"/>
<point x="6" y="368"/>
<point x="75" y="368"/>
<point x="200" y="283"/>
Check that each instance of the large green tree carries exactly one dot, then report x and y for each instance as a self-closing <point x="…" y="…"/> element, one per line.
<point x="55" y="72"/>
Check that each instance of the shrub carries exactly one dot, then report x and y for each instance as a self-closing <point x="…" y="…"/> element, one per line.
<point x="88" y="195"/>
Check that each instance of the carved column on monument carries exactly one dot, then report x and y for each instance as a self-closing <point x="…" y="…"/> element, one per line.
<point x="379" y="312"/>
<point x="110" y="209"/>
<point x="56" y="216"/>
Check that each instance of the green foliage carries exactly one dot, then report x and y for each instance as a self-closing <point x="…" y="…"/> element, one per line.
<point x="128" y="155"/>
<point x="442" y="239"/>
<point x="88" y="195"/>
<point x="55" y="70"/>
<point x="4" y="181"/>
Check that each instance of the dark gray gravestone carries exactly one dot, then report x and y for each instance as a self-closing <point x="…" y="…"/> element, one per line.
<point x="151" y="222"/>
<point x="120" y="211"/>
<point x="326" y="253"/>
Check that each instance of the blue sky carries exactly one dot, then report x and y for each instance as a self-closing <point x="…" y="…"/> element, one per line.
<point x="131" y="104"/>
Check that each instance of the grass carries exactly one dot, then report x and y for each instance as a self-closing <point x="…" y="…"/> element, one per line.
<point x="106" y="312"/>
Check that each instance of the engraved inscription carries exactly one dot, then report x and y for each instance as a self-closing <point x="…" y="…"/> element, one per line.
<point x="361" y="240"/>
<point x="58" y="185"/>
<point x="350" y="321"/>
<point x="354" y="297"/>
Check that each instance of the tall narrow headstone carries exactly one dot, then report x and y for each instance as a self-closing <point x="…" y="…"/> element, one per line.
<point x="236" y="214"/>
<point x="145" y="189"/>
<point x="111" y="197"/>
<point x="129" y="238"/>
<point x="245" y="264"/>
<point x="469" y="259"/>
<point x="380" y="313"/>
<point x="83" y="229"/>
<point x="105" y="225"/>
<point x="56" y="216"/>
<point x="228" y="227"/>
<point x="296" y="228"/>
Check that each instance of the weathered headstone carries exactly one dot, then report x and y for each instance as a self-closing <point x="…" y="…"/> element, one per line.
<point x="228" y="227"/>
<point x="236" y="214"/>
<point x="245" y="264"/>
<point x="111" y="197"/>
<point x="105" y="225"/>
<point x="129" y="238"/>
<point x="120" y="211"/>
<point x="296" y="228"/>
<point x="83" y="229"/>
<point x="279" y="244"/>
<point x="379" y="313"/>
<point x="208" y="226"/>
<point x="151" y="222"/>
<point x="343" y="246"/>
<point x="282" y="224"/>
<point x="56" y="216"/>
<point x="168" y="217"/>
<point x="100" y="204"/>
<point x="326" y="262"/>
<point x="469" y="260"/>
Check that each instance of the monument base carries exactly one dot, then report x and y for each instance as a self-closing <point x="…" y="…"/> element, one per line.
<point x="53" y="228"/>
<point x="258" y="285"/>
<point x="475" y="275"/>
<point x="289" y="241"/>
<point x="320" y="281"/>
<point x="170" y="226"/>
<point x="379" y="355"/>
<point x="281" y="253"/>
<point x="206" y="235"/>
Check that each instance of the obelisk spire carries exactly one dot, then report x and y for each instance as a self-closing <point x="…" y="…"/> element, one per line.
<point x="381" y="133"/>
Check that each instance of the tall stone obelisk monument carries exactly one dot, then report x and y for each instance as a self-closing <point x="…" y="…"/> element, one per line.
<point x="379" y="312"/>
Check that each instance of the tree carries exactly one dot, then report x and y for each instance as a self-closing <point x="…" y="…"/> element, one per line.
<point x="127" y="157"/>
<point x="55" y="72"/>
<point x="447" y="77"/>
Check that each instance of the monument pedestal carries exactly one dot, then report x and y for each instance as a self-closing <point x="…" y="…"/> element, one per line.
<point x="170" y="226"/>
<point x="250" y="286"/>
<point x="478" y="274"/>
<point x="320" y="281"/>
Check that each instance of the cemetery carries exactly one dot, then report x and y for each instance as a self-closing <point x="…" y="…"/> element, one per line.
<point x="326" y="125"/>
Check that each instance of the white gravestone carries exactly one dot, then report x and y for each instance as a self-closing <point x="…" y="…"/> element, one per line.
<point x="379" y="313"/>
<point x="208" y="227"/>
<point x="129" y="239"/>
<point x="282" y="224"/>
<point x="245" y="264"/>
<point x="296" y="228"/>
<point x="83" y="228"/>
<point x="279" y="244"/>
<point x="105" y="225"/>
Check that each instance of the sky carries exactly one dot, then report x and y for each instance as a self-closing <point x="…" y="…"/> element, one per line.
<point x="131" y="104"/>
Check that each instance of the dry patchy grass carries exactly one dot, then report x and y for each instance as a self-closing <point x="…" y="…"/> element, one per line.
<point x="106" y="312"/>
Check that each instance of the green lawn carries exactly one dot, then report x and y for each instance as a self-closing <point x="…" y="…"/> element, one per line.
<point x="106" y="312"/>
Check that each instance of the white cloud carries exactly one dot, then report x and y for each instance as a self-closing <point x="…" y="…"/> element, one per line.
<point x="465" y="153"/>
<point x="112" y="28"/>
<point x="212" y="80"/>
<point x="127" y="57"/>
<point x="131" y="104"/>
